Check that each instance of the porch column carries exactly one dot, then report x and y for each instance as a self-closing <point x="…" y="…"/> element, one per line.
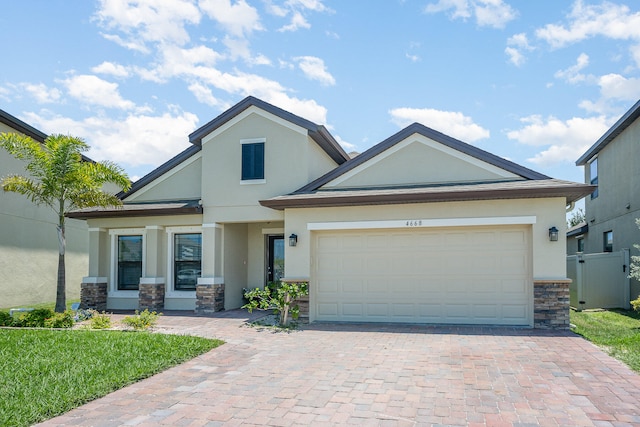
<point x="152" y="284"/>
<point x="210" y="287"/>
<point x="93" y="289"/>
<point x="551" y="303"/>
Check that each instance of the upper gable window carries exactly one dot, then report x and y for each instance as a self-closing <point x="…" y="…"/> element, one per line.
<point x="593" y="176"/>
<point x="253" y="160"/>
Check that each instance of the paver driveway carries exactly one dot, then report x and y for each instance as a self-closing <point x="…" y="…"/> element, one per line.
<point x="336" y="374"/>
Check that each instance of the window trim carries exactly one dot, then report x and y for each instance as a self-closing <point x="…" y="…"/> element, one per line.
<point x="250" y="141"/>
<point x="113" y="279"/>
<point x="594" y="194"/>
<point x="170" y="290"/>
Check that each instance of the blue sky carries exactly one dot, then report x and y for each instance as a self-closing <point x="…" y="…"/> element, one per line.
<point x="536" y="82"/>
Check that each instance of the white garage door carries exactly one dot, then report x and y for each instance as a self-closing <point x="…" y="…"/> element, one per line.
<point x="462" y="275"/>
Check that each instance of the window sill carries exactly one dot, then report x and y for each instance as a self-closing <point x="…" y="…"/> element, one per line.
<point x="253" y="181"/>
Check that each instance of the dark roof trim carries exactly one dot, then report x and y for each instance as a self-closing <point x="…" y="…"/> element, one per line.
<point x="578" y="230"/>
<point x="138" y="210"/>
<point x="431" y="134"/>
<point x="624" y="122"/>
<point x="22" y="127"/>
<point x="318" y="132"/>
<point x="517" y="190"/>
<point x="160" y="170"/>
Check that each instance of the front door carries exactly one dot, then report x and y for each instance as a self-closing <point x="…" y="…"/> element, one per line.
<point x="275" y="258"/>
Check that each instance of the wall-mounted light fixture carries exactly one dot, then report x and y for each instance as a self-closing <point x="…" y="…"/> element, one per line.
<point x="293" y="239"/>
<point x="553" y="234"/>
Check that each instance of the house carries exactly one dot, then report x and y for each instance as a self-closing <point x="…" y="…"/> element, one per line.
<point x="421" y="228"/>
<point x="611" y="210"/>
<point x="29" y="241"/>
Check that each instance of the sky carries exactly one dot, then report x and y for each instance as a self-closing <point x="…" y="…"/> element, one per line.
<point x="536" y="82"/>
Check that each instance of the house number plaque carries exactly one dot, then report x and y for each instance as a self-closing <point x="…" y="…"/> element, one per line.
<point x="414" y="223"/>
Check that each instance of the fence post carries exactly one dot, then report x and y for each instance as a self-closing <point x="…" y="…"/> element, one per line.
<point x="626" y="288"/>
<point x="579" y="281"/>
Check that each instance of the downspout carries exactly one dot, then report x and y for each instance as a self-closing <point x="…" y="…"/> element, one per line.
<point x="570" y="206"/>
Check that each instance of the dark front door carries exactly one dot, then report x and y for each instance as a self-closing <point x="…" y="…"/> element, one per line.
<point x="275" y="258"/>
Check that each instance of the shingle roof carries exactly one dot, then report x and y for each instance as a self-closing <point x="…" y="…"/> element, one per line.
<point x="179" y="207"/>
<point x="624" y="122"/>
<point x="519" y="189"/>
<point x="317" y="132"/>
<point x="22" y="127"/>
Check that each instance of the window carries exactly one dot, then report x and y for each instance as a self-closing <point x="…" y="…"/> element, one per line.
<point x="129" y="268"/>
<point x="252" y="159"/>
<point x="608" y="241"/>
<point x="580" y="244"/>
<point x="593" y="176"/>
<point x="187" y="261"/>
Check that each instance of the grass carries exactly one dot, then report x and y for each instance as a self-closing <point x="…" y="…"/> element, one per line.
<point x="50" y="305"/>
<point x="46" y="373"/>
<point x="615" y="331"/>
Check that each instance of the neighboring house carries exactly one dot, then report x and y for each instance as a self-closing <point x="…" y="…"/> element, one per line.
<point x="29" y="241"/>
<point x="613" y="165"/>
<point x="421" y="228"/>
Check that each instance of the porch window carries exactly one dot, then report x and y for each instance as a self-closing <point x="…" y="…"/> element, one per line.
<point x="187" y="262"/>
<point x="580" y="244"/>
<point x="129" y="268"/>
<point x="253" y="159"/>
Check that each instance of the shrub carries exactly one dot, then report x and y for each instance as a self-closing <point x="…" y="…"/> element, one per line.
<point x="100" y="321"/>
<point x="279" y="298"/>
<point x="60" y="320"/>
<point x="141" y="321"/>
<point x="636" y="304"/>
<point x="34" y="319"/>
<point x="5" y="319"/>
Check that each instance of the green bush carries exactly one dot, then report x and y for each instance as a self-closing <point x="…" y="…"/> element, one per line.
<point x="636" y="304"/>
<point x="5" y="319"/>
<point x="35" y="318"/>
<point x="60" y="320"/>
<point x="281" y="298"/>
<point x="100" y="321"/>
<point x="141" y="321"/>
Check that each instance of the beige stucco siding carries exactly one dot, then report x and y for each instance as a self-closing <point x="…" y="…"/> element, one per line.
<point x="181" y="183"/>
<point x="419" y="160"/>
<point x="225" y="197"/>
<point x="29" y="246"/>
<point x="548" y="257"/>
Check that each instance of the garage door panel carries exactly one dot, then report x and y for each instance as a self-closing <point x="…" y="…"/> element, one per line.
<point x="466" y="275"/>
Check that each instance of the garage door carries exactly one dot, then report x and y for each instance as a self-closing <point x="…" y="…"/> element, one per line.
<point x="461" y="275"/>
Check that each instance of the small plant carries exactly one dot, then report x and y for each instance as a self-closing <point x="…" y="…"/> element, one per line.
<point x="5" y="319"/>
<point x="34" y="319"/>
<point x="277" y="297"/>
<point x="142" y="320"/>
<point x="60" y="320"/>
<point x="100" y="321"/>
<point x="636" y="304"/>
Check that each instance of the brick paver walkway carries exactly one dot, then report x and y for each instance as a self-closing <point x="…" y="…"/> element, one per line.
<point x="378" y="375"/>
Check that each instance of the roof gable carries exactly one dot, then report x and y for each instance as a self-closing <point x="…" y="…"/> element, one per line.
<point x="476" y="162"/>
<point x="317" y="132"/>
<point x="624" y="122"/>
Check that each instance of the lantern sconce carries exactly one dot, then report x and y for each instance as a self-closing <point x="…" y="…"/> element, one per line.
<point x="553" y="234"/>
<point x="293" y="239"/>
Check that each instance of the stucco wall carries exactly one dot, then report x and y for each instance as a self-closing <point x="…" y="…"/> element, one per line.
<point x="548" y="257"/>
<point x="29" y="246"/>
<point x="181" y="183"/>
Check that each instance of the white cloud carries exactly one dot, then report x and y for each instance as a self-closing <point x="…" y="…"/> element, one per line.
<point x="615" y="86"/>
<point x="147" y="21"/>
<point x="572" y="74"/>
<point x="93" y="90"/>
<point x="488" y="13"/>
<point x="134" y="45"/>
<point x="129" y="141"/>
<point x="315" y="69"/>
<point x="347" y="146"/>
<point x="203" y="94"/>
<point x="112" y="69"/>
<point x="515" y="45"/>
<point x="41" y="93"/>
<point x="565" y="140"/>
<point x="238" y="18"/>
<point x="298" y="21"/>
<point x="451" y="123"/>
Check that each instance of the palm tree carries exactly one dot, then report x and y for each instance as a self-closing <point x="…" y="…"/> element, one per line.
<point x="59" y="177"/>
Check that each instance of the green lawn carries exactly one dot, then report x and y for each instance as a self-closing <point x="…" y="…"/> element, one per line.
<point x="616" y="331"/>
<point x="44" y="373"/>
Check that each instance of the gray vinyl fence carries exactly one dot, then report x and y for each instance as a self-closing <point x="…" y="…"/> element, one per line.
<point x="599" y="280"/>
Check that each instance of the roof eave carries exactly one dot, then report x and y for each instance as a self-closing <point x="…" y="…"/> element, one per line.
<point x="571" y="195"/>
<point x="122" y="213"/>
